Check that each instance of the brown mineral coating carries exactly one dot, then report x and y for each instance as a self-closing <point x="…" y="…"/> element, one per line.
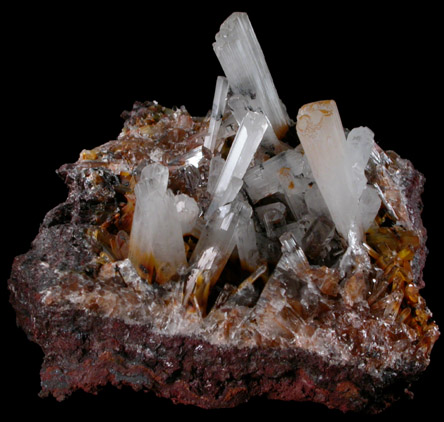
<point x="147" y="127"/>
<point x="85" y="349"/>
<point x="412" y="183"/>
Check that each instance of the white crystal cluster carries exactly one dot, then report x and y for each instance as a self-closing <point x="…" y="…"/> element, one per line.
<point x="262" y="192"/>
<point x="250" y="81"/>
<point x="338" y="165"/>
<point x="159" y="223"/>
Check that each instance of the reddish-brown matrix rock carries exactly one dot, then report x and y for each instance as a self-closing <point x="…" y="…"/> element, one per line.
<point x="98" y="322"/>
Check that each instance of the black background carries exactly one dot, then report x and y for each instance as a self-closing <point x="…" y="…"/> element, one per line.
<point x="71" y="71"/>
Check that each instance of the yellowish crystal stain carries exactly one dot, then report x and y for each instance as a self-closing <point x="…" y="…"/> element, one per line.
<point x="393" y="250"/>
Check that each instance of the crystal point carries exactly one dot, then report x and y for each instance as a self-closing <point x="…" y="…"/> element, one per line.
<point x="156" y="246"/>
<point x="246" y="240"/>
<point x="243" y="62"/>
<point x="217" y="112"/>
<point x="187" y="211"/>
<point x="241" y="153"/>
<point x="216" y="243"/>
<point x="337" y="163"/>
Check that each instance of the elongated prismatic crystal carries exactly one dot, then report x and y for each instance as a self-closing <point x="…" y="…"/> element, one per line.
<point x="217" y="112"/>
<point x="215" y="245"/>
<point x="338" y="165"/>
<point x="241" y="153"/>
<point x="156" y="243"/>
<point x="243" y="62"/>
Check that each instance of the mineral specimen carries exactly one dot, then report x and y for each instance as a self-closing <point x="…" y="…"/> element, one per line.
<point x="243" y="62"/>
<point x="209" y="260"/>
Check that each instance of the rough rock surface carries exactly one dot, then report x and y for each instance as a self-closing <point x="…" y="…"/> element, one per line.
<point x="97" y="322"/>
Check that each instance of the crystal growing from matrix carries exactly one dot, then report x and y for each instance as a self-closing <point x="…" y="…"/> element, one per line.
<point x="338" y="165"/>
<point x="246" y="240"/>
<point x="214" y="248"/>
<point x="156" y="243"/>
<point x="243" y="62"/>
<point x="242" y="151"/>
<point x="275" y="175"/>
<point x="213" y="259"/>
<point x="217" y="112"/>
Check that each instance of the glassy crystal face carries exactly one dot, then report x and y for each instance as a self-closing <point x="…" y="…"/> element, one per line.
<point x="156" y="245"/>
<point x="243" y="62"/>
<point x="218" y="229"/>
<point x="338" y="165"/>
<point x="217" y="113"/>
<point x="293" y="231"/>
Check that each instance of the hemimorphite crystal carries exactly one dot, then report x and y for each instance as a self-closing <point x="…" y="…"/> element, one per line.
<point x="241" y="153"/>
<point x="156" y="246"/>
<point x="187" y="211"/>
<point x="243" y="62"/>
<point x="269" y="177"/>
<point x="273" y="220"/>
<point x="216" y="166"/>
<point x="246" y="240"/>
<point x="300" y="213"/>
<point x="260" y="294"/>
<point x="317" y="238"/>
<point x="337" y="164"/>
<point x="278" y="207"/>
<point x="315" y="201"/>
<point x="217" y="112"/>
<point x="215" y="245"/>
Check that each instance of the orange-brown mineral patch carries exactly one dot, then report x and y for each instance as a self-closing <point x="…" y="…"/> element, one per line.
<point x="393" y="250"/>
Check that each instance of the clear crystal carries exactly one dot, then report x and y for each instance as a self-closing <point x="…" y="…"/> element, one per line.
<point x="293" y="189"/>
<point x="188" y="211"/>
<point x="315" y="201"/>
<point x="241" y="153"/>
<point x="369" y="204"/>
<point x="228" y="127"/>
<point x="156" y="246"/>
<point x="266" y="178"/>
<point x="216" y="166"/>
<point x="299" y="228"/>
<point x="154" y="178"/>
<point x="243" y="62"/>
<point x="217" y="112"/>
<point x="193" y="158"/>
<point x="318" y="237"/>
<point x="261" y="210"/>
<point x="246" y="240"/>
<point x="293" y="257"/>
<point x="274" y="220"/>
<point x="258" y="183"/>
<point x="337" y="166"/>
<point x="216" y="243"/>
<point x="359" y="145"/>
<point x="238" y="104"/>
